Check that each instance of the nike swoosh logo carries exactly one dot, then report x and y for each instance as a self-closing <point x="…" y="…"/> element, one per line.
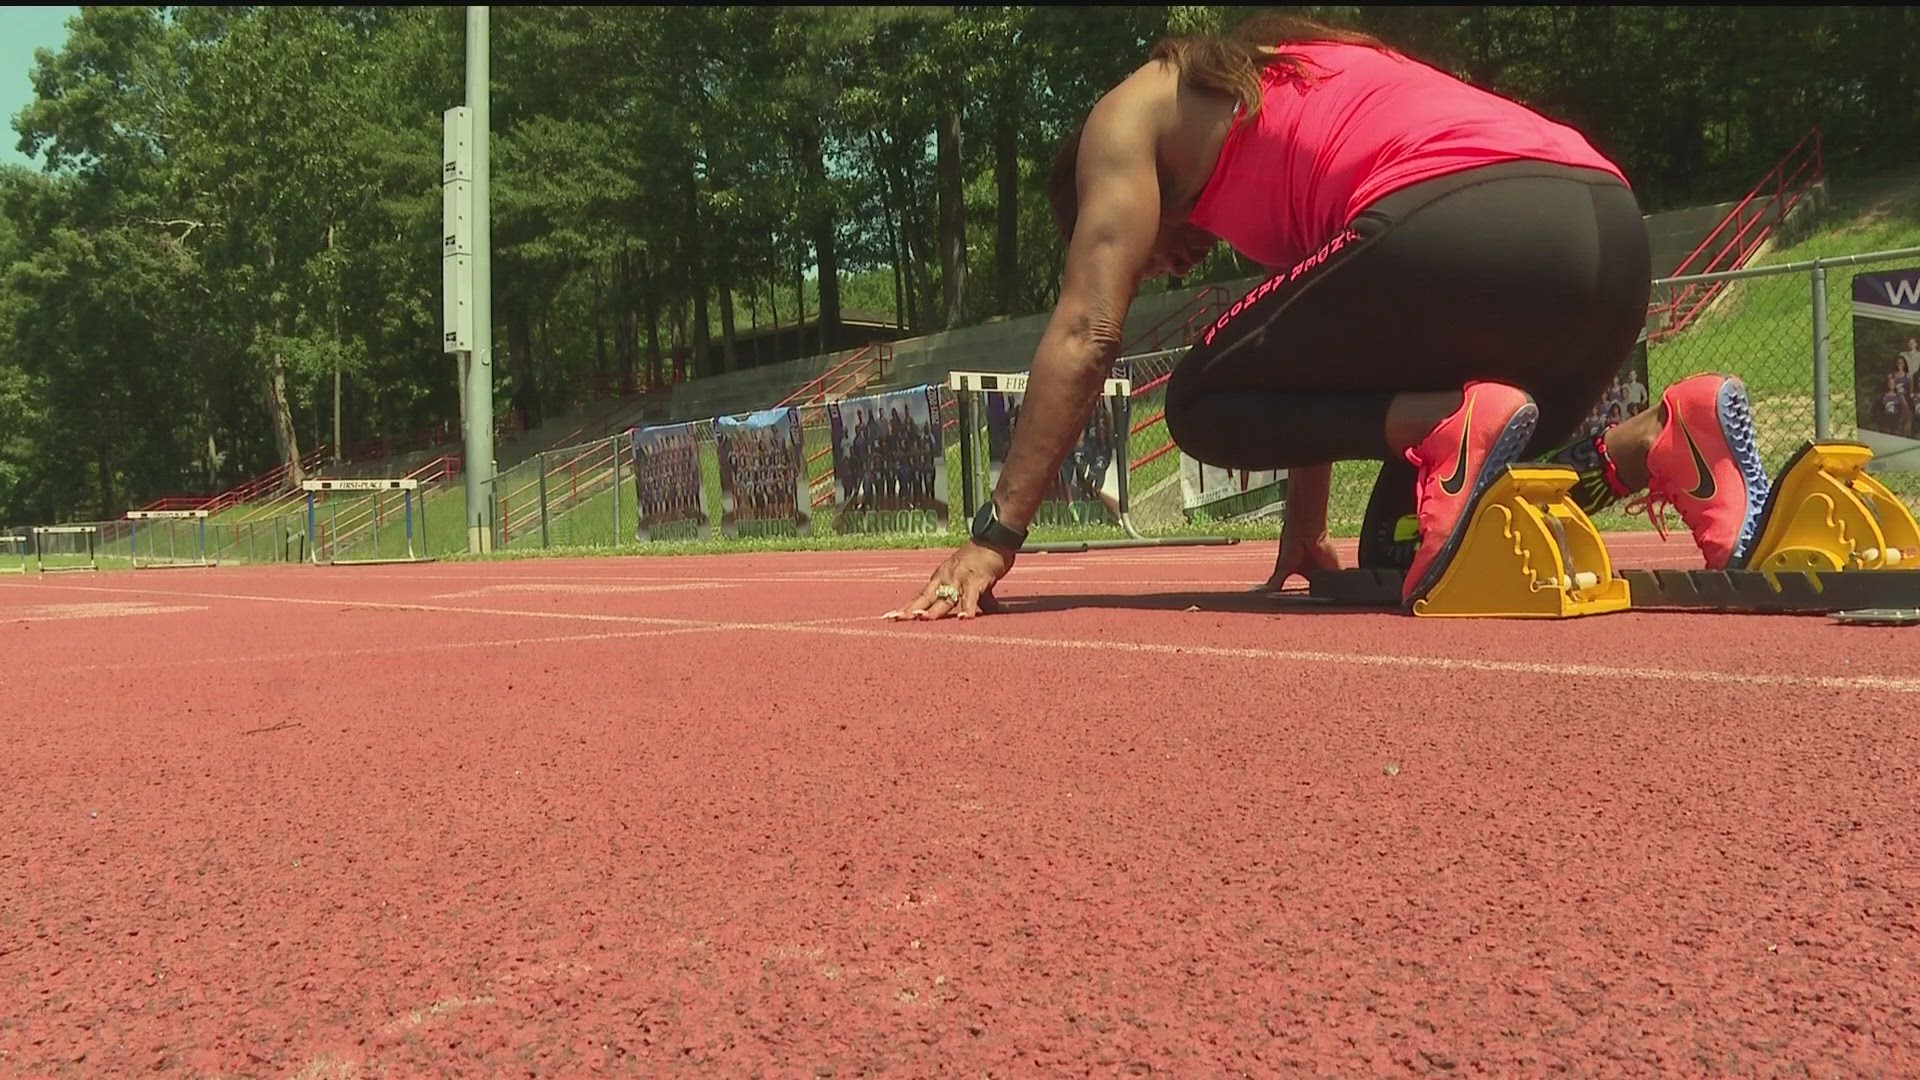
<point x="1703" y="487"/>
<point x="1453" y="485"/>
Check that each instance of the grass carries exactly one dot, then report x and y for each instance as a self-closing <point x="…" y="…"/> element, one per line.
<point x="65" y="564"/>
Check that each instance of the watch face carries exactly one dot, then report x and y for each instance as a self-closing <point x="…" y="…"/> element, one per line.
<point x="982" y="518"/>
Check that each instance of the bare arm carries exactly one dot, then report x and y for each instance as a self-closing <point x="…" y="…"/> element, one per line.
<point x="1113" y="240"/>
<point x="1308" y="488"/>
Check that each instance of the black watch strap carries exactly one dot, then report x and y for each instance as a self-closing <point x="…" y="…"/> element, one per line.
<point x="990" y="531"/>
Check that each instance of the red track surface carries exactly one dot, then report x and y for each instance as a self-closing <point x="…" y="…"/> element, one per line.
<point x="712" y="817"/>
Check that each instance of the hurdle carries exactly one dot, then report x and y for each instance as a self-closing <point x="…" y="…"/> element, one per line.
<point x="13" y="553"/>
<point x="196" y="558"/>
<point x="90" y="532"/>
<point x="967" y="386"/>
<point x="409" y="489"/>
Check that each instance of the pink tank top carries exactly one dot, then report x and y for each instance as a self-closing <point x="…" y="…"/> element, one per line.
<point x="1370" y="123"/>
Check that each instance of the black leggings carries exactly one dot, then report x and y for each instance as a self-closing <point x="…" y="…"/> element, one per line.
<point x="1527" y="273"/>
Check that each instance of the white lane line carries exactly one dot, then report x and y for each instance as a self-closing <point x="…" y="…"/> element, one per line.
<point x="682" y="582"/>
<point x="927" y="635"/>
<point x="456" y="609"/>
<point x="304" y="656"/>
<point x="389" y="605"/>
<point x="108" y="610"/>
<point x="1887" y="683"/>
<point x="592" y="588"/>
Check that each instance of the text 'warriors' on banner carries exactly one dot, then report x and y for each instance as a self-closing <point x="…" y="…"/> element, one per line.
<point x="889" y="465"/>
<point x="668" y="485"/>
<point x="763" y="475"/>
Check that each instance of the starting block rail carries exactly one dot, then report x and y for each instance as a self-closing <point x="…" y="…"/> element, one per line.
<point x="1830" y="539"/>
<point x="1807" y="592"/>
<point x="1733" y="592"/>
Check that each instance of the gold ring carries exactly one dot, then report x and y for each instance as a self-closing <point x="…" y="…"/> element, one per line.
<point x="947" y="593"/>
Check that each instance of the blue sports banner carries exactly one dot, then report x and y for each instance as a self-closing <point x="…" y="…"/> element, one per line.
<point x="1886" y="365"/>
<point x="763" y="475"/>
<point x="1087" y="488"/>
<point x="889" y="463"/>
<point x="668" y="485"/>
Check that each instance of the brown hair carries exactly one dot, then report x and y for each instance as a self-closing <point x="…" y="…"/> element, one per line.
<point x="1231" y="63"/>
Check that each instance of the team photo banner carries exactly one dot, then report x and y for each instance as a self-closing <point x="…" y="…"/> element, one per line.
<point x="668" y="486"/>
<point x="889" y="465"/>
<point x="763" y="475"/>
<point x="1886" y="366"/>
<point x="1627" y="397"/>
<point x="1090" y="484"/>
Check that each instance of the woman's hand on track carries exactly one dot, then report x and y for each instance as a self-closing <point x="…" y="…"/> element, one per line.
<point x="961" y="587"/>
<point x="1296" y="558"/>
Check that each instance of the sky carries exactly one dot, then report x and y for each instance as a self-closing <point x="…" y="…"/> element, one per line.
<point x="22" y="30"/>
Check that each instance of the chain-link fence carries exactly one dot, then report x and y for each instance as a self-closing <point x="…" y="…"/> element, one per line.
<point x="1788" y="331"/>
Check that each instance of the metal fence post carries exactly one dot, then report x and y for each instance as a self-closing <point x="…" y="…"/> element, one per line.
<point x="616" y="491"/>
<point x="963" y="404"/>
<point x="546" y="538"/>
<point x="1822" y="403"/>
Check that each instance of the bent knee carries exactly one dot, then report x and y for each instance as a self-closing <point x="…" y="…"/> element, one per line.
<point x="1198" y="431"/>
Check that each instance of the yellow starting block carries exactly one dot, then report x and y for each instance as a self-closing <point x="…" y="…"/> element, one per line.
<point x="1826" y="513"/>
<point x="1529" y="552"/>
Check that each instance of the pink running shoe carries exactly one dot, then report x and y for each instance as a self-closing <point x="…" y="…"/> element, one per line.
<point x="1706" y="464"/>
<point x="1457" y="462"/>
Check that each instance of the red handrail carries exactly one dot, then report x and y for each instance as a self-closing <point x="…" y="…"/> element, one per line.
<point x="1774" y="197"/>
<point x="1686" y="264"/>
<point x="850" y="374"/>
<point x="241" y="492"/>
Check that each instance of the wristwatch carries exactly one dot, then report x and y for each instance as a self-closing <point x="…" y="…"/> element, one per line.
<point x="988" y="531"/>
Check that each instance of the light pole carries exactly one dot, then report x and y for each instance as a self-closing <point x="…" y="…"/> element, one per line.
<point x="467" y="274"/>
